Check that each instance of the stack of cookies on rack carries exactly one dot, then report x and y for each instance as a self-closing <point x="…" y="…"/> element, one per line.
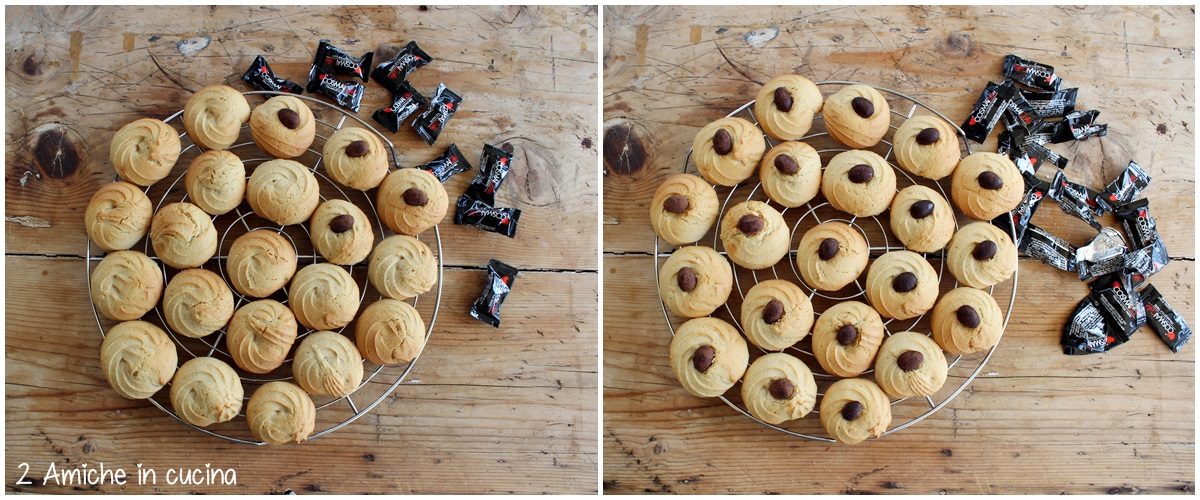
<point x="139" y="358"/>
<point x="850" y="340"/>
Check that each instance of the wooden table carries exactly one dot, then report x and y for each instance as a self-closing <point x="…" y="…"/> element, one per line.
<point x="486" y="410"/>
<point x="1035" y="421"/>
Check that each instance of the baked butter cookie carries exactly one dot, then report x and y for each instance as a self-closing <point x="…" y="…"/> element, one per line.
<point x="183" y="236"/>
<point x="216" y="181"/>
<point x="910" y="364"/>
<point x="708" y="356"/>
<point x="779" y="387"/>
<point x="126" y="285"/>
<point x="138" y="359"/>
<point x="967" y="320"/>
<point x="323" y="296"/>
<point x="776" y="314"/>
<point x="981" y="255"/>
<point x="785" y="106"/>
<point x="755" y="235"/>
<point x="859" y="182"/>
<point x="260" y="335"/>
<point x="831" y="255"/>
<point x="402" y="267"/>
<point x="283" y="126"/>
<point x="281" y="412"/>
<point x="855" y="409"/>
<point x="206" y="391"/>
<point x="791" y="173"/>
<point x="283" y="191"/>
<point x="117" y="216"/>
<point x="412" y="200"/>
<point x="327" y="363"/>
<point x="902" y="285"/>
<point x="846" y="338"/>
<point x="985" y="185"/>
<point x="695" y="281"/>
<point x="727" y="151"/>
<point x="144" y="151"/>
<point x="214" y="116"/>
<point x="922" y="219"/>
<point x="197" y="302"/>
<point x="341" y="232"/>
<point x="683" y="209"/>
<point x="260" y="263"/>
<point x="857" y="116"/>
<point x="927" y="146"/>
<point x="389" y="332"/>
<point x="356" y="157"/>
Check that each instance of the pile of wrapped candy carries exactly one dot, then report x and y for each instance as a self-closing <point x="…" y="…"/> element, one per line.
<point x="1116" y="264"/>
<point x="331" y="62"/>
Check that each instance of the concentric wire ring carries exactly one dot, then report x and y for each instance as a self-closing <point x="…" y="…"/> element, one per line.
<point x="963" y="368"/>
<point x="378" y="382"/>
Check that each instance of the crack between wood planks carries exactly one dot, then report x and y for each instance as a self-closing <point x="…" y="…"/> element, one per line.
<point x="448" y="266"/>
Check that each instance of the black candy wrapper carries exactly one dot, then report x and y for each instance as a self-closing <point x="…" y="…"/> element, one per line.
<point x="502" y="220"/>
<point x="493" y="169"/>
<point x="338" y="62"/>
<point x="449" y="163"/>
<point x="1149" y="253"/>
<point x="1020" y="112"/>
<point x="404" y="104"/>
<point x="1048" y="248"/>
<point x="1029" y="148"/>
<point x="392" y="73"/>
<point x="1169" y="325"/>
<point x="1031" y="73"/>
<point x="346" y="94"/>
<point x="988" y="110"/>
<point x="1125" y="188"/>
<point x="261" y="77"/>
<point x="1086" y="332"/>
<point x="1079" y="125"/>
<point x="1103" y="255"/>
<point x="500" y="282"/>
<point x="441" y="108"/>
<point x="1074" y="199"/>
<point x="1052" y="104"/>
<point x="1119" y="303"/>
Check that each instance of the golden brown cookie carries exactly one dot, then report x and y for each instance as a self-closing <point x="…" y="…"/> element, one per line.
<point x="323" y="296"/>
<point x="778" y="387"/>
<point x="206" y="391"/>
<point x="412" y="200"/>
<point x="985" y="185"/>
<point x="196" y="303"/>
<point x="927" y="146"/>
<point x="214" y="116"/>
<point x="910" y="364"/>
<point x="727" y="151"/>
<point x="785" y="106"/>
<point x="755" y="235"/>
<point x="831" y="256"/>
<point x="283" y="126"/>
<point x="183" y="236"/>
<point x="118" y="216"/>
<point x="283" y="191"/>
<point x="695" y="281"/>
<point x="260" y="263"/>
<point x="902" y="285"/>
<point x="341" y="232"/>
<point x="683" y="209"/>
<point x="327" y="363"/>
<point x="260" y="335"/>
<point x="216" y="181"/>
<point x="922" y="219"/>
<point x="846" y="338"/>
<point x="144" y="151"/>
<point x="857" y="116"/>
<point x="981" y="255"/>
<point x="791" y="173"/>
<point x="356" y="157"/>
<point x="402" y="267"/>
<point x="967" y="320"/>
<point x="855" y="409"/>
<point x="126" y="285"/>
<point x="776" y="314"/>
<point x="138" y="359"/>
<point x="708" y="356"/>
<point x="281" y="412"/>
<point x="861" y="183"/>
<point x="389" y="332"/>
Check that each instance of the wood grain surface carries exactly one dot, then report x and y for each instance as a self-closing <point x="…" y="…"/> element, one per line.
<point x="485" y="410"/>
<point x="1035" y="420"/>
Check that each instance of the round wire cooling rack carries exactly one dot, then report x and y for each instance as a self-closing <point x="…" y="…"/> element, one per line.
<point x="962" y="368"/>
<point x="378" y="381"/>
